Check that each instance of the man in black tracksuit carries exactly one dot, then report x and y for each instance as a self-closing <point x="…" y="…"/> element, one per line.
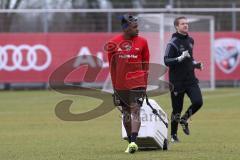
<point x="179" y="58"/>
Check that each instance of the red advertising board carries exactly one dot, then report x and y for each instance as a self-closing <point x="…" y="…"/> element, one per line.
<point x="32" y="57"/>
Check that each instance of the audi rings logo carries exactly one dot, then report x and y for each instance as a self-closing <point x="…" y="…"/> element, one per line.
<point x="12" y="57"/>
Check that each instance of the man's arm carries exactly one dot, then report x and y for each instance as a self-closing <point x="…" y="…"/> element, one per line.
<point x="112" y="67"/>
<point x="170" y="58"/>
<point x="197" y="65"/>
<point x="145" y="59"/>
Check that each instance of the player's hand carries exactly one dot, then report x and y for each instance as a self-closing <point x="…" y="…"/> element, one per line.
<point x="198" y="65"/>
<point x="201" y="66"/>
<point x="185" y="54"/>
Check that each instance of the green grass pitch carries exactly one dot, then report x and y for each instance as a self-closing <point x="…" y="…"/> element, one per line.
<point x="30" y="130"/>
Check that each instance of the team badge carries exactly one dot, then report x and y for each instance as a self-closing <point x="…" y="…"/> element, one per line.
<point x="227" y="54"/>
<point x="126" y="45"/>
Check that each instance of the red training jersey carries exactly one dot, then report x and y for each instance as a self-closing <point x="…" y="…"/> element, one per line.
<point x="128" y="61"/>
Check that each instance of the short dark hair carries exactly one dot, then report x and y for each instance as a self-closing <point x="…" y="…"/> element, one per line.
<point x="176" y="21"/>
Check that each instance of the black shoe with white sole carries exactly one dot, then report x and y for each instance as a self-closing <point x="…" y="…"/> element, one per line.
<point x="184" y="125"/>
<point x="174" y="138"/>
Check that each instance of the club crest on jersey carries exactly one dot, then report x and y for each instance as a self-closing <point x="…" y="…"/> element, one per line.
<point x="126" y="45"/>
<point x="227" y="54"/>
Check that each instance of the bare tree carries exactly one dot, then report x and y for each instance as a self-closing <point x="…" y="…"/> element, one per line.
<point x="49" y="22"/>
<point x="7" y="18"/>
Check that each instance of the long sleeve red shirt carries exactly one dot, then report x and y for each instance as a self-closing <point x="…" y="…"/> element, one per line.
<point x="129" y="62"/>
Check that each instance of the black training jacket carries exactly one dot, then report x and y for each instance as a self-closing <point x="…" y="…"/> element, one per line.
<point x="181" y="74"/>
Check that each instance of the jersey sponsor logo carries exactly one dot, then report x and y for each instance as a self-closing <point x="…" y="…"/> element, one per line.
<point x="227" y="54"/>
<point x="24" y="57"/>
<point x="127" y="56"/>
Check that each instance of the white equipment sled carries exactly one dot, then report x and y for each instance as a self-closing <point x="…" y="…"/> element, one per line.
<point x="153" y="133"/>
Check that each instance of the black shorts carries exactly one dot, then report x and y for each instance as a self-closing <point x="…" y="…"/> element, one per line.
<point x="127" y="97"/>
